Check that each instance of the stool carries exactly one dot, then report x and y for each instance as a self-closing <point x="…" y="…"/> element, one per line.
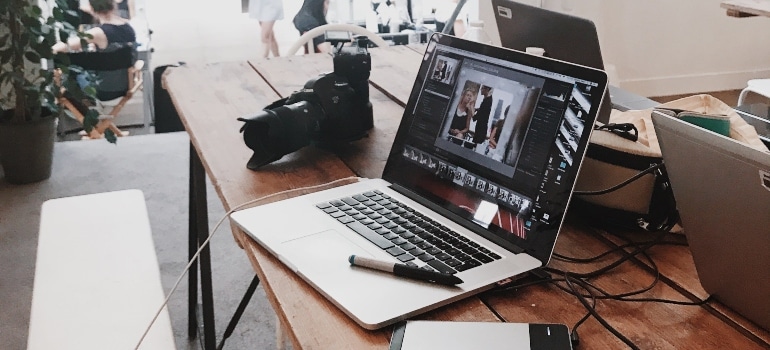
<point x="97" y="282"/>
<point x="758" y="86"/>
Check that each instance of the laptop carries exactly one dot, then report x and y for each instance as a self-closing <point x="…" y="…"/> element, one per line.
<point x="563" y="37"/>
<point x="483" y="210"/>
<point x="724" y="213"/>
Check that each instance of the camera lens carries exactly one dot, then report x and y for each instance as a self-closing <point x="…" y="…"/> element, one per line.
<point x="273" y="133"/>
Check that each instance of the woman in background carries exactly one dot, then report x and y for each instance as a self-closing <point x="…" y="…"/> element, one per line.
<point x="312" y="15"/>
<point x="461" y="121"/>
<point x="267" y="12"/>
<point x="111" y="29"/>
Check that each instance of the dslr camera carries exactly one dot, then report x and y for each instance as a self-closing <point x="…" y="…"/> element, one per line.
<point x="331" y="109"/>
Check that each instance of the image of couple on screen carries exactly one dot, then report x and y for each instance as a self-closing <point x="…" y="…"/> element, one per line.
<point x="489" y="117"/>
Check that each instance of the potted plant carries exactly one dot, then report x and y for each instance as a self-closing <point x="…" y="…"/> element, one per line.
<point x="30" y="91"/>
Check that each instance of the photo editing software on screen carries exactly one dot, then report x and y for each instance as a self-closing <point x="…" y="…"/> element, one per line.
<point x="496" y="139"/>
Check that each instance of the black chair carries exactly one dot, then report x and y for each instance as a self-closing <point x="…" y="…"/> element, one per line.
<point x="120" y="77"/>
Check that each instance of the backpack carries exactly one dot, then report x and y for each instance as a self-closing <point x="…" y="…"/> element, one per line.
<point x="623" y="180"/>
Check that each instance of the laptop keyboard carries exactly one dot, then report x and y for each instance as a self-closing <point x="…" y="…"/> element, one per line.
<point x="406" y="234"/>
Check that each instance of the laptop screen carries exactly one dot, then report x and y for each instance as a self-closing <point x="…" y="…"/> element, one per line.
<point x="493" y="138"/>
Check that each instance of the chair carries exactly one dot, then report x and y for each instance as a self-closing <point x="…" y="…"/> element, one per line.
<point x="121" y="77"/>
<point x="307" y="38"/>
<point x="757" y="86"/>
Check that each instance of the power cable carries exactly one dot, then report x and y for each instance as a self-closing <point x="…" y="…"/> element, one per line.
<point x="211" y="235"/>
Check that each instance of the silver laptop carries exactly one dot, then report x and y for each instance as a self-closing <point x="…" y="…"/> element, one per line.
<point x="563" y="37"/>
<point x="484" y="203"/>
<point x="722" y="191"/>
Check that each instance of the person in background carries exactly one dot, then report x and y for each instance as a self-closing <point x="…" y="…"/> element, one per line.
<point x="482" y="116"/>
<point x="312" y="14"/>
<point x="267" y="12"/>
<point x="464" y="111"/>
<point x="125" y="9"/>
<point x="112" y="29"/>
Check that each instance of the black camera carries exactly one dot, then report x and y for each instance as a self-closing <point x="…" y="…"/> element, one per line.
<point x="331" y="109"/>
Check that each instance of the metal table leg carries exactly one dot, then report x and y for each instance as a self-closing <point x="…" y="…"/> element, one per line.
<point x="239" y="311"/>
<point x="198" y="232"/>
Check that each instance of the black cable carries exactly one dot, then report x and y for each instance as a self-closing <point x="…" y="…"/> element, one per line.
<point x="644" y="246"/>
<point x="576" y="260"/>
<point x="596" y="315"/>
<point x="649" y="170"/>
<point x="656" y="272"/>
<point x="606" y="295"/>
<point x="595" y="293"/>
<point x="592" y="259"/>
<point x="587" y="315"/>
<point x="620" y="261"/>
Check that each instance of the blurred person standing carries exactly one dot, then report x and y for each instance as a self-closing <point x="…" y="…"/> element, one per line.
<point x="126" y="8"/>
<point x="267" y="12"/>
<point x="312" y="14"/>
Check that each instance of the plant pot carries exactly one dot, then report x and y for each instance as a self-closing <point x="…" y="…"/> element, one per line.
<point x="26" y="150"/>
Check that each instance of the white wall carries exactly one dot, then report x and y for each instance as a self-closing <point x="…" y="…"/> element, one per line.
<point x="666" y="47"/>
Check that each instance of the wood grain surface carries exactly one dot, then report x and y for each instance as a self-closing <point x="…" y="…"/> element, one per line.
<point x="210" y="97"/>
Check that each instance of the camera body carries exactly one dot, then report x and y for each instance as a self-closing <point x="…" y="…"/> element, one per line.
<point x="331" y="109"/>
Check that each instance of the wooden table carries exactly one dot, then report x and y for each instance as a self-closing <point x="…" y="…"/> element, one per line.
<point x="209" y="98"/>
<point x="747" y="8"/>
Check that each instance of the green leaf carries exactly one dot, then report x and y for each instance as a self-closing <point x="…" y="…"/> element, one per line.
<point x="58" y="14"/>
<point x="32" y="56"/>
<point x="90" y="90"/>
<point x="24" y="40"/>
<point x="90" y="120"/>
<point x="110" y="136"/>
<point x="68" y="27"/>
<point x="46" y="29"/>
<point x="44" y="51"/>
<point x="63" y="4"/>
<point x="49" y="96"/>
<point x="5" y="56"/>
<point x="51" y="106"/>
<point x="33" y="11"/>
<point x="30" y="21"/>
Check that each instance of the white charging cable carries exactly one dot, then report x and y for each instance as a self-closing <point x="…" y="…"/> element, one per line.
<point x="211" y="234"/>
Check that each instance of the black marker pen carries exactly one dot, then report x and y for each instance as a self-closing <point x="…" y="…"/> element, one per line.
<point x="404" y="270"/>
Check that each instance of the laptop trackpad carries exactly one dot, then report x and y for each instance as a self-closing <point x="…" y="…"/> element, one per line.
<point x="326" y="251"/>
<point x="322" y="260"/>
